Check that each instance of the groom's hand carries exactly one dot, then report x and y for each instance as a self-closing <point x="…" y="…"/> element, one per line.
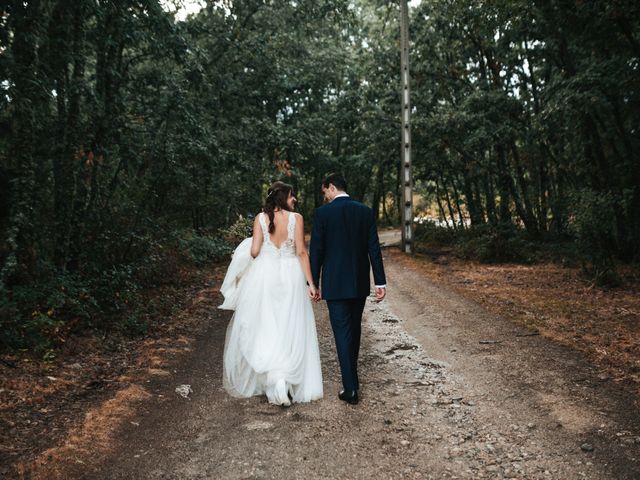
<point x="380" y="293"/>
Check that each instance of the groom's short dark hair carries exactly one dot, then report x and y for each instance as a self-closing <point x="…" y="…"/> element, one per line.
<point x="336" y="180"/>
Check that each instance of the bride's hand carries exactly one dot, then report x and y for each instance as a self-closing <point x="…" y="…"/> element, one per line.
<point x="313" y="292"/>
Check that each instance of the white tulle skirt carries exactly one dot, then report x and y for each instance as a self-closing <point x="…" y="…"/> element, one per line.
<point x="271" y="345"/>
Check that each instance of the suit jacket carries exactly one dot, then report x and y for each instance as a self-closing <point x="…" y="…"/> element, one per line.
<point x="344" y="245"/>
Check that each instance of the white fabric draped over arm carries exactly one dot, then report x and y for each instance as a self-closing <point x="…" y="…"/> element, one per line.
<point x="240" y="263"/>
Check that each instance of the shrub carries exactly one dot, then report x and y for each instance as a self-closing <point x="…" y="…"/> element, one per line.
<point x="40" y="313"/>
<point x="428" y="233"/>
<point x="485" y="243"/>
<point x="241" y="229"/>
<point x="202" y="249"/>
<point x="35" y="315"/>
<point x="494" y="244"/>
<point x="594" y="226"/>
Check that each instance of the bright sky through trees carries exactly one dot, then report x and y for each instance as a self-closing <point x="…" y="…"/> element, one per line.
<point x="189" y="7"/>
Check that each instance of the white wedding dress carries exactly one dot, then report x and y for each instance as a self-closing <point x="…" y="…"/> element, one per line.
<point x="271" y="345"/>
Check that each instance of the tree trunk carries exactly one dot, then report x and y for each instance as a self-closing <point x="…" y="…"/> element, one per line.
<point x="472" y="201"/>
<point x="443" y="216"/>
<point x="73" y="17"/>
<point x="504" y="181"/>
<point x="456" y="199"/>
<point x="28" y="19"/>
<point x="475" y="185"/>
<point x="521" y="199"/>
<point x="448" y="200"/>
<point x="489" y="199"/>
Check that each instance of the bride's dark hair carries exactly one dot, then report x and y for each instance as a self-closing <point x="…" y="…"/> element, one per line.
<point x="277" y="197"/>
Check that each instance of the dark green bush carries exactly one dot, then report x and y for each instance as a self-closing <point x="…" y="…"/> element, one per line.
<point x="241" y="229"/>
<point x="428" y="233"/>
<point x="34" y="315"/>
<point x="203" y="249"/>
<point x="594" y="227"/>
<point x="494" y="244"/>
<point x="104" y="294"/>
<point x="134" y="325"/>
<point x="485" y="243"/>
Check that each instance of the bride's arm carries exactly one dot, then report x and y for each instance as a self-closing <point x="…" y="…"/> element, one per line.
<point x="301" y="250"/>
<point x="256" y="243"/>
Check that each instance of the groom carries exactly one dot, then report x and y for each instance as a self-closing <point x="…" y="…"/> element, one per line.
<point x="344" y="243"/>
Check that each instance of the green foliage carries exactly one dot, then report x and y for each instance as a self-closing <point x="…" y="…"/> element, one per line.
<point x="134" y="326"/>
<point x="428" y="233"/>
<point x="595" y="233"/>
<point x="489" y="244"/>
<point x="241" y="229"/>
<point x="203" y="249"/>
<point x="159" y="126"/>
<point x="519" y="104"/>
<point x="36" y="316"/>
<point x="485" y="243"/>
<point x="39" y="315"/>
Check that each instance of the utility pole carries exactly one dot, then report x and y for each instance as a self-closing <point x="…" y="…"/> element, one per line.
<point x="406" y="181"/>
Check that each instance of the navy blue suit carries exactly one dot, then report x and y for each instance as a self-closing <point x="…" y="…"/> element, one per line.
<point x="344" y="247"/>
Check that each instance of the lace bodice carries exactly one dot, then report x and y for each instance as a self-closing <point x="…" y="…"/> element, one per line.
<point x="288" y="247"/>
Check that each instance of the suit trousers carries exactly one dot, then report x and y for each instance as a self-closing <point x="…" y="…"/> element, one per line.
<point x="346" y="320"/>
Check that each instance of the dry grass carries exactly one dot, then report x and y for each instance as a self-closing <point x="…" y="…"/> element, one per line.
<point x="92" y="438"/>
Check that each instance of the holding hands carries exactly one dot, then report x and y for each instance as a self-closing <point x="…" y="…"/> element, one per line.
<point x="314" y="293"/>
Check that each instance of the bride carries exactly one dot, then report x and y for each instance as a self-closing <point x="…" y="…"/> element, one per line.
<point x="271" y="345"/>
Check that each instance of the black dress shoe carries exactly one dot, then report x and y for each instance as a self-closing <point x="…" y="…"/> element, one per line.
<point x="349" y="397"/>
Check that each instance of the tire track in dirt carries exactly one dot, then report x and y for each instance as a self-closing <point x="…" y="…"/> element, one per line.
<point x="539" y="408"/>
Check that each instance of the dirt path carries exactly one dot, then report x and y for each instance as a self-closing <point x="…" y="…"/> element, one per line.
<point x="449" y="391"/>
